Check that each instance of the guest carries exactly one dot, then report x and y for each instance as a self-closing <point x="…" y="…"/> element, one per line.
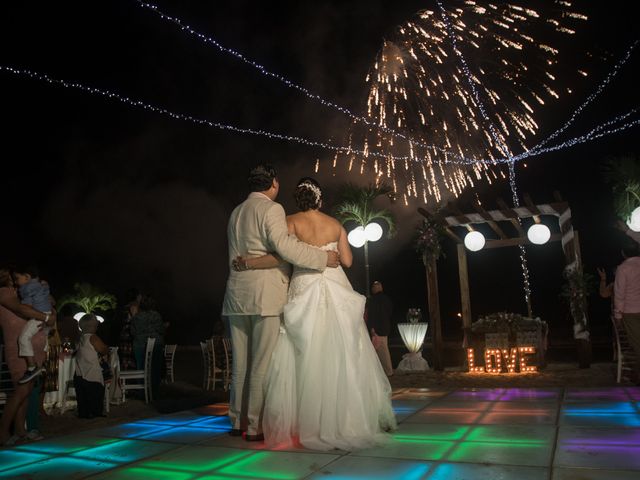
<point x="148" y="323"/>
<point x="35" y="293"/>
<point x="12" y="320"/>
<point x="605" y="288"/>
<point x="125" y="341"/>
<point x="68" y="326"/>
<point x="626" y="295"/>
<point x="379" y="311"/>
<point x="88" y="380"/>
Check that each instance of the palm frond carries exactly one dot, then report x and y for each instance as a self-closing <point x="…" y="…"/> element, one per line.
<point x="356" y="205"/>
<point x="623" y="173"/>
<point x="89" y="299"/>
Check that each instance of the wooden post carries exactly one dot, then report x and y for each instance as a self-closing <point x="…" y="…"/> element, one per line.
<point x="433" y="301"/>
<point x="465" y="299"/>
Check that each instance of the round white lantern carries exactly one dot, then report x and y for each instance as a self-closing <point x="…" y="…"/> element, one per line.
<point x="634" y="220"/>
<point x="79" y="315"/>
<point x="539" y="234"/>
<point x="357" y="237"/>
<point x="474" y="241"/>
<point x="373" y="232"/>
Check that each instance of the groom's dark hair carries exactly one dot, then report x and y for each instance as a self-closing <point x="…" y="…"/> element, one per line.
<point x="261" y="177"/>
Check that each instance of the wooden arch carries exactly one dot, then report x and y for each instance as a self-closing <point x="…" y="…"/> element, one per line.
<point x="506" y="224"/>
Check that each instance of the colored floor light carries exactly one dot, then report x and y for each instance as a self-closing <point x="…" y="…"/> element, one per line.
<point x="197" y="459"/>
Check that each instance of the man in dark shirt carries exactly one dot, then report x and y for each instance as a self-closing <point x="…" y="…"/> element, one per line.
<point x="379" y="311"/>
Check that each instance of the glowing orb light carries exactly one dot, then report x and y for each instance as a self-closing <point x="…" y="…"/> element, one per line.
<point x="634" y="220"/>
<point x="539" y="234"/>
<point x="474" y="241"/>
<point x="357" y="237"/>
<point x="373" y="232"/>
<point x="79" y="315"/>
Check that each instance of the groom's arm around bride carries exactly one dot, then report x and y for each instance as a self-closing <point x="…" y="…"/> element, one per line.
<point x="254" y="299"/>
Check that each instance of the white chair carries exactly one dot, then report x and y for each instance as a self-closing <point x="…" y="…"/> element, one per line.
<point x="216" y="358"/>
<point x="624" y="351"/>
<point x="226" y="370"/>
<point x="113" y="354"/>
<point x="134" y="376"/>
<point x="169" y="354"/>
<point x="205" y="365"/>
<point x="209" y="363"/>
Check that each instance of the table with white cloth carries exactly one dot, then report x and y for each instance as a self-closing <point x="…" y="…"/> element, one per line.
<point x="413" y="337"/>
<point x="55" y="402"/>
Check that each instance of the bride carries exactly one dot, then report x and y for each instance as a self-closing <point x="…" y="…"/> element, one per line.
<point x="325" y="388"/>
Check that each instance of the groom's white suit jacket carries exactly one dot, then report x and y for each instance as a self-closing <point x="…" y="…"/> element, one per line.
<point x="256" y="227"/>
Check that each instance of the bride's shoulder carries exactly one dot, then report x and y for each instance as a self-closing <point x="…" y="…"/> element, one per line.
<point x="328" y="218"/>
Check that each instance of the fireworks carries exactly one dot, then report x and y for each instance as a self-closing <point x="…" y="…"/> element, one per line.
<point x="420" y="88"/>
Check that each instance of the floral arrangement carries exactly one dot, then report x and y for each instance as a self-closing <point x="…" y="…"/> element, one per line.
<point x="508" y="323"/>
<point x="414" y="315"/>
<point x="429" y="240"/>
<point x="577" y="287"/>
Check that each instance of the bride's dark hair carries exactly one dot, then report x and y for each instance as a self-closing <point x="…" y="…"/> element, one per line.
<point x="308" y="194"/>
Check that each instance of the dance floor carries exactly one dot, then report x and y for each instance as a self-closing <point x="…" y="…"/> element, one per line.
<point x="505" y="433"/>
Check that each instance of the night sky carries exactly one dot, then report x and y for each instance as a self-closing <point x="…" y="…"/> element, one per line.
<point x="119" y="197"/>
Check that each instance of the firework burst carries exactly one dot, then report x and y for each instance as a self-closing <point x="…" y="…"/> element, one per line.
<point x="419" y="88"/>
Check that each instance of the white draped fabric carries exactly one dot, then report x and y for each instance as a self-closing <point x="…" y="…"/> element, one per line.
<point x="326" y="387"/>
<point x="413" y="337"/>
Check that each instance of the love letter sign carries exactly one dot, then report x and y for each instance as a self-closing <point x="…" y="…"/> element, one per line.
<point x="497" y="360"/>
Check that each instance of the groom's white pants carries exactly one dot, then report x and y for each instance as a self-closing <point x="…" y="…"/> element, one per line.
<point x="253" y="339"/>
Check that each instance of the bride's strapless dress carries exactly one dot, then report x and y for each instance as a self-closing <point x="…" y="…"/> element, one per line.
<point x="326" y="387"/>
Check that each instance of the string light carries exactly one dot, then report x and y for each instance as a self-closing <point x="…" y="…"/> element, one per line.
<point x="458" y="159"/>
<point x="476" y="95"/>
<point x="597" y="132"/>
<point x="499" y="142"/>
<point x="263" y="70"/>
<point x="610" y="76"/>
<point x="180" y="116"/>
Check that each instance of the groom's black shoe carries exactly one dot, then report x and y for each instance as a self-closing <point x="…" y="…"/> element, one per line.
<point x="254" y="438"/>
<point x="236" y="432"/>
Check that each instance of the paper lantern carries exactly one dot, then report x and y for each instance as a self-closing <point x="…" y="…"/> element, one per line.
<point x="539" y="234"/>
<point x="634" y="220"/>
<point x="474" y="241"/>
<point x="79" y="315"/>
<point x="357" y="237"/>
<point x="373" y="232"/>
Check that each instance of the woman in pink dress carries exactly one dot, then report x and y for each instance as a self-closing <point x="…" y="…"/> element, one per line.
<point x="13" y="315"/>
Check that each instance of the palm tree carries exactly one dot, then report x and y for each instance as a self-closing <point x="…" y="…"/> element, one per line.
<point x="623" y="173"/>
<point x="356" y="205"/>
<point x="89" y="299"/>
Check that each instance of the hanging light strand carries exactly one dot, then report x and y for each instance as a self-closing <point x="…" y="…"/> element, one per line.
<point x="498" y="141"/>
<point x="597" y="132"/>
<point x="612" y="74"/>
<point x="263" y="70"/>
<point x="467" y="73"/>
<point x="451" y="156"/>
<point x="181" y="116"/>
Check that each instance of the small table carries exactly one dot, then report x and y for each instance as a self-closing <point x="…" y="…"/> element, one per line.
<point x="57" y="401"/>
<point x="413" y="337"/>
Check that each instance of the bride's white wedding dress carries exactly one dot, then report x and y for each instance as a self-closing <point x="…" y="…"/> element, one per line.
<point x="326" y="387"/>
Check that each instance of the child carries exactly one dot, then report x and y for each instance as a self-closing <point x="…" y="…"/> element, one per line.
<point x="35" y="293"/>
<point x="88" y="380"/>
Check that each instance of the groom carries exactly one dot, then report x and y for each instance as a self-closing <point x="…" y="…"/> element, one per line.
<point x="254" y="299"/>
